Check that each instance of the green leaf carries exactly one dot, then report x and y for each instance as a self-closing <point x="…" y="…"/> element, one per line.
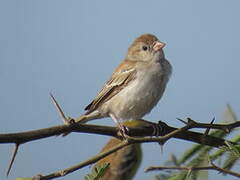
<point x="189" y="153"/>
<point x="236" y="139"/>
<point x="192" y="175"/>
<point x="234" y="149"/>
<point x="97" y="172"/>
<point x="161" y="177"/>
<point x="199" y="155"/>
<point x="229" y="115"/>
<point x="218" y="153"/>
<point x="179" y="176"/>
<point x="230" y="161"/>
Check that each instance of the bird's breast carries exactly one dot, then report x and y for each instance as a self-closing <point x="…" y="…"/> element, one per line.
<point x="141" y="95"/>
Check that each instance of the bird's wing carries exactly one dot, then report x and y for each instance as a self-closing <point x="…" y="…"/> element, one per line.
<point x="121" y="77"/>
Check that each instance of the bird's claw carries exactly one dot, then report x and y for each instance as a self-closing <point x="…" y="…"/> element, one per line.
<point x="124" y="131"/>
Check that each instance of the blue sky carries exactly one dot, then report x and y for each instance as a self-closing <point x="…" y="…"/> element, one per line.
<point x="70" y="48"/>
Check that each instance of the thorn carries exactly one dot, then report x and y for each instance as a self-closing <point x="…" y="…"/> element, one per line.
<point x="189" y="120"/>
<point x="13" y="158"/>
<point x="59" y="109"/>
<point x="181" y="120"/>
<point x="161" y="145"/>
<point x="208" y="129"/>
<point x="213" y="120"/>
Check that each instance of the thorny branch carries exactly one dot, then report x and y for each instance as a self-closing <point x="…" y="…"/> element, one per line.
<point x="136" y="136"/>
<point x="212" y="166"/>
<point x="76" y="167"/>
<point x="141" y="134"/>
<point x="24" y="137"/>
<point x="225" y="127"/>
<point x="126" y="142"/>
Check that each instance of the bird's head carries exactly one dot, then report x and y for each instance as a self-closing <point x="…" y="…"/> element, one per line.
<point x="146" y="48"/>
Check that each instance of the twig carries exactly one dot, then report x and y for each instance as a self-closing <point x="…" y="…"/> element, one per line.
<point x="225" y="127"/>
<point x="212" y="167"/>
<point x="128" y="141"/>
<point x="27" y="136"/>
<point x="225" y="171"/>
<point x="167" y="132"/>
<point x="159" y="168"/>
<point x="85" y="163"/>
<point x="24" y="137"/>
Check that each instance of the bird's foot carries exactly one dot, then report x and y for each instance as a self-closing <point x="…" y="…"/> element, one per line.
<point x="124" y="131"/>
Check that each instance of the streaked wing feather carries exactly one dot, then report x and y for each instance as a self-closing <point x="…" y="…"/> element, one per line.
<point x="120" y="79"/>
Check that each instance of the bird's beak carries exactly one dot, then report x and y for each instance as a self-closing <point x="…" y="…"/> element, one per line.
<point x="158" y="45"/>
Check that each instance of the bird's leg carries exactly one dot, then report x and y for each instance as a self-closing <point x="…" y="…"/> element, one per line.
<point x="123" y="129"/>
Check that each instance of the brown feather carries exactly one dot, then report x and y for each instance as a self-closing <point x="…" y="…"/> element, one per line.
<point x="114" y="85"/>
<point x="123" y="163"/>
<point x="121" y="77"/>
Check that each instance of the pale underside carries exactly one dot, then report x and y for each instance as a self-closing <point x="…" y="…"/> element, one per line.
<point x="132" y="91"/>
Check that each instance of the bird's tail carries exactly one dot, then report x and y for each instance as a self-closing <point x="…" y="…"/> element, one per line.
<point x="88" y="117"/>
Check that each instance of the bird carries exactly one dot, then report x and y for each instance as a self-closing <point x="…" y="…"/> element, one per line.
<point x="136" y="85"/>
<point x="123" y="164"/>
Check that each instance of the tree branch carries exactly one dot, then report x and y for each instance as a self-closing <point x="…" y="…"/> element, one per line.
<point x="92" y="160"/>
<point x="211" y="167"/>
<point x="137" y="135"/>
<point x="126" y="142"/>
<point x="146" y="130"/>
<point x="225" y="127"/>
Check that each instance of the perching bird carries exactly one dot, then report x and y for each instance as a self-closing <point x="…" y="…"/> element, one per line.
<point x="123" y="164"/>
<point x="135" y="86"/>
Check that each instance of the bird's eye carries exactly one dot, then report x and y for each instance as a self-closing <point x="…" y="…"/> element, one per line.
<point x="145" y="48"/>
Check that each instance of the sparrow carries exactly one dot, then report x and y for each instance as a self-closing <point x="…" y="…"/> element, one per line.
<point x="135" y="86"/>
<point x="123" y="164"/>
